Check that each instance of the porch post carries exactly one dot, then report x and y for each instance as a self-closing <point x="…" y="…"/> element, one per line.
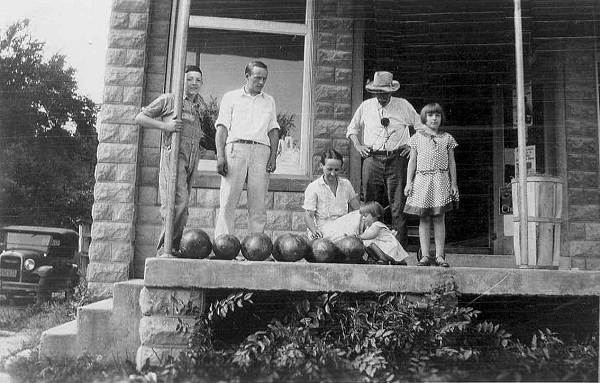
<point x="522" y="136"/>
<point x="182" y="23"/>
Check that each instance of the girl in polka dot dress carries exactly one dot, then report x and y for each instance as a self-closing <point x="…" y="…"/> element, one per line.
<point x="431" y="185"/>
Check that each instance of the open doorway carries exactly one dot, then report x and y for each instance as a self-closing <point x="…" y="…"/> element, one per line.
<point x="459" y="54"/>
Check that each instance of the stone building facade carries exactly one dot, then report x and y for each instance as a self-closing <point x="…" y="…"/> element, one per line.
<point x="126" y="220"/>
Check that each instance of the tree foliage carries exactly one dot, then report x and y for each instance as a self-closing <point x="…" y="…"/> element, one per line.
<point x="47" y="135"/>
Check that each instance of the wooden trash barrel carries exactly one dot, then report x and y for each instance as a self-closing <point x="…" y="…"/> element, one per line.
<point x="544" y="202"/>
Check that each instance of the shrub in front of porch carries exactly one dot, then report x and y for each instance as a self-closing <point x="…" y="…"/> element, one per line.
<point x="389" y="337"/>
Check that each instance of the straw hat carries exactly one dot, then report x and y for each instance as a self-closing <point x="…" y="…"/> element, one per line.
<point x="383" y="82"/>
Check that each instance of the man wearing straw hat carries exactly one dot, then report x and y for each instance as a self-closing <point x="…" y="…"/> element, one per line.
<point x="379" y="131"/>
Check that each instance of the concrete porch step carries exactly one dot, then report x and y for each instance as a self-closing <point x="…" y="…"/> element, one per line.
<point x="108" y="327"/>
<point x="473" y="260"/>
<point x="60" y="341"/>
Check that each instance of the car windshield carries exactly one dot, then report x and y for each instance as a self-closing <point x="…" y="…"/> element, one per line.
<point x="28" y="241"/>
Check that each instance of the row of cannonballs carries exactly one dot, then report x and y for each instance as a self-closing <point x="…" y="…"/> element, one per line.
<point x="196" y="244"/>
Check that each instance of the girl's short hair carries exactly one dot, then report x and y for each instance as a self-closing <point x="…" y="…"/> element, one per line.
<point x="331" y="154"/>
<point x="432" y="108"/>
<point x="373" y="208"/>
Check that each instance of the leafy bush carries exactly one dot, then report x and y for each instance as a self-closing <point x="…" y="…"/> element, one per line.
<point x="386" y="338"/>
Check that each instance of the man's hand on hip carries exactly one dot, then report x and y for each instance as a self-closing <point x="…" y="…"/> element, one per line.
<point x="404" y="150"/>
<point x="222" y="166"/>
<point x="364" y="150"/>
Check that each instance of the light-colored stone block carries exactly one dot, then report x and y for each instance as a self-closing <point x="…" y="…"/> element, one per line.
<point x="100" y="289"/>
<point x="118" y="114"/>
<point x="156" y="356"/>
<point x="298" y="221"/>
<point x="127" y="38"/>
<point x="124" y="76"/>
<point x="126" y="172"/>
<point x="121" y="252"/>
<point x="108" y="132"/>
<point x="114" y="192"/>
<point x="116" y="56"/>
<point x="99" y="251"/>
<point x="104" y="230"/>
<point x="119" y="20"/>
<point x="110" y="152"/>
<point x="170" y="301"/>
<point x="162" y="331"/>
<point x="279" y="220"/>
<point x="113" y="94"/>
<point x="288" y="200"/>
<point x="106" y="172"/>
<point x="107" y="272"/>
<point x="138" y="20"/>
<point x="207" y="198"/>
<point x="133" y="94"/>
<point x="201" y="217"/>
<point x="123" y="212"/>
<point x="102" y="211"/>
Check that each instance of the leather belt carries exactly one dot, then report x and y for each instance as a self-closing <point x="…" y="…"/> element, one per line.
<point x="249" y="142"/>
<point x="384" y="152"/>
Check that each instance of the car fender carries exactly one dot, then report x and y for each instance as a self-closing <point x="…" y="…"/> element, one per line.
<point x="43" y="271"/>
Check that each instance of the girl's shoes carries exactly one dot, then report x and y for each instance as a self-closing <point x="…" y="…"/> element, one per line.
<point x="441" y="261"/>
<point x="427" y="261"/>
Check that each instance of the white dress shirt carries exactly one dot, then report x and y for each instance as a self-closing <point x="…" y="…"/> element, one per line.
<point x="247" y="117"/>
<point x="368" y="119"/>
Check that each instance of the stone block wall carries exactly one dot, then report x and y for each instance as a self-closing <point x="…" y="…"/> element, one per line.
<point x="333" y="79"/>
<point x="583" y="171"/>
<point x="111" y="249"/>
<point x="148" y="224"/>
<point x="164" y="311"/>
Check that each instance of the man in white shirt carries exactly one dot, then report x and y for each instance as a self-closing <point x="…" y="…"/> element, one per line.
<point x="379" y="131"/>
<point x="246" y="140"/>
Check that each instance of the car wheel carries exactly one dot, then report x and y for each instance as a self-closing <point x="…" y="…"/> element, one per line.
<point x="43" y="293"/>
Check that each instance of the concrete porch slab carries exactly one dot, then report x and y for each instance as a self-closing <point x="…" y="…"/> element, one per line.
<point x="303" y="276"/>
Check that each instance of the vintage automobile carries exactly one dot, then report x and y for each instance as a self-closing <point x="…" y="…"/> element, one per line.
<point x="38" y="261"/>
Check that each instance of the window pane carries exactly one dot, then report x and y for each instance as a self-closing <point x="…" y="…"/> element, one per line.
<point x="223" y="55"/>
<point x="290" y="11"/>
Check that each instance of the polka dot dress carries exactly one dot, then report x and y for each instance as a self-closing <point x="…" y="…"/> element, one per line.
<point x="431" y="186"/>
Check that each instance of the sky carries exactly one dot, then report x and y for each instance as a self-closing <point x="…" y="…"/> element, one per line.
<point x="76" y="28"/>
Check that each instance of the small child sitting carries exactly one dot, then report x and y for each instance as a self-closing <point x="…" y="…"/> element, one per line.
<point x="380" y="242"/>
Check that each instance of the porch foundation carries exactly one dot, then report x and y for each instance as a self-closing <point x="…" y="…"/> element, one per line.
<point x="172" y="284"/>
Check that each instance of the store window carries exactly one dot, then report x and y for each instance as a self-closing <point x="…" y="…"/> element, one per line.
<point x="225" y="35"/>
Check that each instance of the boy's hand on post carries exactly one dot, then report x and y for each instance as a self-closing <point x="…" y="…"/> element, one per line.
<point x="173" y="125"/>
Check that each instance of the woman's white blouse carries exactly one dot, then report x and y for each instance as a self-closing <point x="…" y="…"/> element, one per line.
<point x="327" y="207"/>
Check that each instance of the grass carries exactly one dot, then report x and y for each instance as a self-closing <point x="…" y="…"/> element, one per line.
<point x="37" y="317"/>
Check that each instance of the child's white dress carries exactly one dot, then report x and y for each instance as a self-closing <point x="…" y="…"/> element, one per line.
<point x="387" y="242"/>
<point x="431" y="186"/>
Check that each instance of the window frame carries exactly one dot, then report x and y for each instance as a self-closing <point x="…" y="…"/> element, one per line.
<point x="305" y="30"/>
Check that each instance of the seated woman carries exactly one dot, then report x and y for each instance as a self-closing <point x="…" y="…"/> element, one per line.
<point x="327" y="201"/>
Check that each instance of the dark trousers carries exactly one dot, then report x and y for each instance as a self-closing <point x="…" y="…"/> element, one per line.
<point x="383" y="180"/>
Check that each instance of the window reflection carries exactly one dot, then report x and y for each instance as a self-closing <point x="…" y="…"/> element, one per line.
<point x="222" y="56"/>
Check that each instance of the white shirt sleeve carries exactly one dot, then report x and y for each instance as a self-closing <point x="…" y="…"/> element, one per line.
<point x="356" y="124"/>
<point x="225" y="112"/>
